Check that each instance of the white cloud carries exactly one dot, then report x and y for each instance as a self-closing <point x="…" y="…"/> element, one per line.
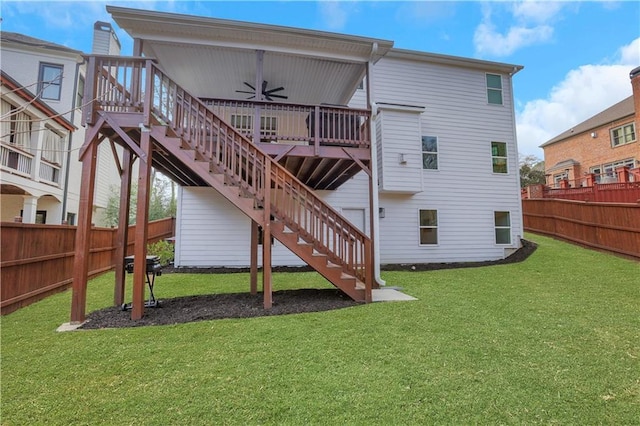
<point x="583" y="92"/>
<point x="489" y="42"/>
<point x="630" y="54"/>
<point x="425" y="13"/>
<point x="536" y="11"/>
<point x="529" y="23"/>
<point x="334" y="14"/>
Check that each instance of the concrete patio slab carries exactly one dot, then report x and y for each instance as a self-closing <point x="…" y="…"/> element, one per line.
<point x="389" y="295"/>
<point x="67" y="326"/>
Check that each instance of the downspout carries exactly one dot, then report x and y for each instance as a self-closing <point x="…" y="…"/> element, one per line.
<point x="520" y="234"/>
<point x="375" y="204"/>
<point x="65" y="193"/>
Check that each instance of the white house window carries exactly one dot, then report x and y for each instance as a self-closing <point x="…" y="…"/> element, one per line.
<point x="430" y="152"/>
<point x="80" y="94"/>
<point x="623" y="135"/>
<point x="244" y="123"/>
<point x="52" y="146"/>
<point x="494" y="89"/>
<point x="610" y="168"/>
<point x="499" y="157"/>
<point x="50" y="81"/>
<point x="557" y="178"/>
<point x="428" y="227"/>
<point x="502" y="227"/>
<point x="16" y="126"/>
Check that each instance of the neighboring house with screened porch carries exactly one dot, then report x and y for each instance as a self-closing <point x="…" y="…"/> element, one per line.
<point x="442" y="133"/>
<point x="42" y="92"/>
<point x="601" y="149"/>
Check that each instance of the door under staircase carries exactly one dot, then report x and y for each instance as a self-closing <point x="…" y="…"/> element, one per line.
<point x="140" y="108"/>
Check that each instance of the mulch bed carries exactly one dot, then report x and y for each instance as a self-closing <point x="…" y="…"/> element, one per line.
<point x="244" y="305"/>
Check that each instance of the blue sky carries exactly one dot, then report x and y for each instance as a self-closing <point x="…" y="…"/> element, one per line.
<point x="577" y="55"/>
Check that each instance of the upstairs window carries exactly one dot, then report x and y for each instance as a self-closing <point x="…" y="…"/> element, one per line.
<point x="428" y="227"/>
<point x="494" y="89"/>
<point x="623" y="135"/>
<point x="503" y="227"/>
<point x="499" y="157"/>
<point x="50" y="81"/>
<point x="80" y="94"/>
<point x="15" y="127"/>
<point x="430" y="153"/>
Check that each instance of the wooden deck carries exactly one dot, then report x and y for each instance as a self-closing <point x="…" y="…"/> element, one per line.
<point x="268" y="173"/>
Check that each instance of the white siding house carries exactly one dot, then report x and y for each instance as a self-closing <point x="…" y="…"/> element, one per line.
<point x="447" y="172"/>
<point x="54" y="74"/>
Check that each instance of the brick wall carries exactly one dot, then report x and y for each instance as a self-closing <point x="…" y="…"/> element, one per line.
<point x="588" y="151"/>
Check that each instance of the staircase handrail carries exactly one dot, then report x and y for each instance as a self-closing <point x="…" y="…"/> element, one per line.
<point x="141" y="86"/>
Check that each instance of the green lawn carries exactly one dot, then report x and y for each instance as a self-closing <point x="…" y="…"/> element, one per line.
<point x="553" y="340"/>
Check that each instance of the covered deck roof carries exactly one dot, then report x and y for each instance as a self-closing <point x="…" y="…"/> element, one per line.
<point x="213" y="58"/>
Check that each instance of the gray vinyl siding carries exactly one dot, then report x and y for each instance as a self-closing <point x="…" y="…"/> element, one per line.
<point x="464" y="190"/>
<point x="212" y="232"/>
<point x="401" y="136"/>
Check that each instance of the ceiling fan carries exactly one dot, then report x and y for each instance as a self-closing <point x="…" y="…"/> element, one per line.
<point x="268" y="94"/>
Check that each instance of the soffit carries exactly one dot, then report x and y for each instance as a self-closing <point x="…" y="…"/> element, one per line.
<point x="214" y="72"/>
<point x="213" y="57"/>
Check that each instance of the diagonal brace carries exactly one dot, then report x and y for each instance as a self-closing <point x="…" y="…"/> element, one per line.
<point x="125" y="137"/>
<point x="366" y="169"/>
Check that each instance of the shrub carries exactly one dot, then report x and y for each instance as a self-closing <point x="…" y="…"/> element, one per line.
<point x="162" y="249"/>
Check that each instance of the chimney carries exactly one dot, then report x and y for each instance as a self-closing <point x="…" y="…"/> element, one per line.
<point x="105" y="41"/>
<point x="635" y="84"/>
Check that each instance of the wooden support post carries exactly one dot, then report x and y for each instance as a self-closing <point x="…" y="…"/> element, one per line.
<point x="316" y="131"/>
<point x="254" y="257"/>
<point x="266" y="238"/>
<point x="142" y="217"/>
<point x="123" y="228"/>
<point x="83" y="233"/>
<point x="258" y="96"/>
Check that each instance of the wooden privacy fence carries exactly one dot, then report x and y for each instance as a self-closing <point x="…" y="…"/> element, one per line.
<point x="605" y="226"/>
<point x="37" y="260"/>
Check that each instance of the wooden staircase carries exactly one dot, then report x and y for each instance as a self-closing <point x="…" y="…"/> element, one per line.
<point x="184" y="129"/>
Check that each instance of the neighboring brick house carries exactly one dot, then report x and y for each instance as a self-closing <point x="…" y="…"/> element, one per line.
<point x="601" y="145"/>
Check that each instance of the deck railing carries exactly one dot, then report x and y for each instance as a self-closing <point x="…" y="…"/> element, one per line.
<point x="16" y="159"/>
<point x="618" y="192"/>
<point x="50" y="172"/>
<point x="124" y="84"/>
<point x="296" y="124"/>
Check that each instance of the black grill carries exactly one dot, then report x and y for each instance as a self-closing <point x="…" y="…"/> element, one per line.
<point x="153" y="265"/>
<point x="154" y="269"/>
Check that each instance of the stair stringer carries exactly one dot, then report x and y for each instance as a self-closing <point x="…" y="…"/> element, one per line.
<point x="215" y="180"/>
<point x="322" y="263"/>
<point x="349" y="284"/>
